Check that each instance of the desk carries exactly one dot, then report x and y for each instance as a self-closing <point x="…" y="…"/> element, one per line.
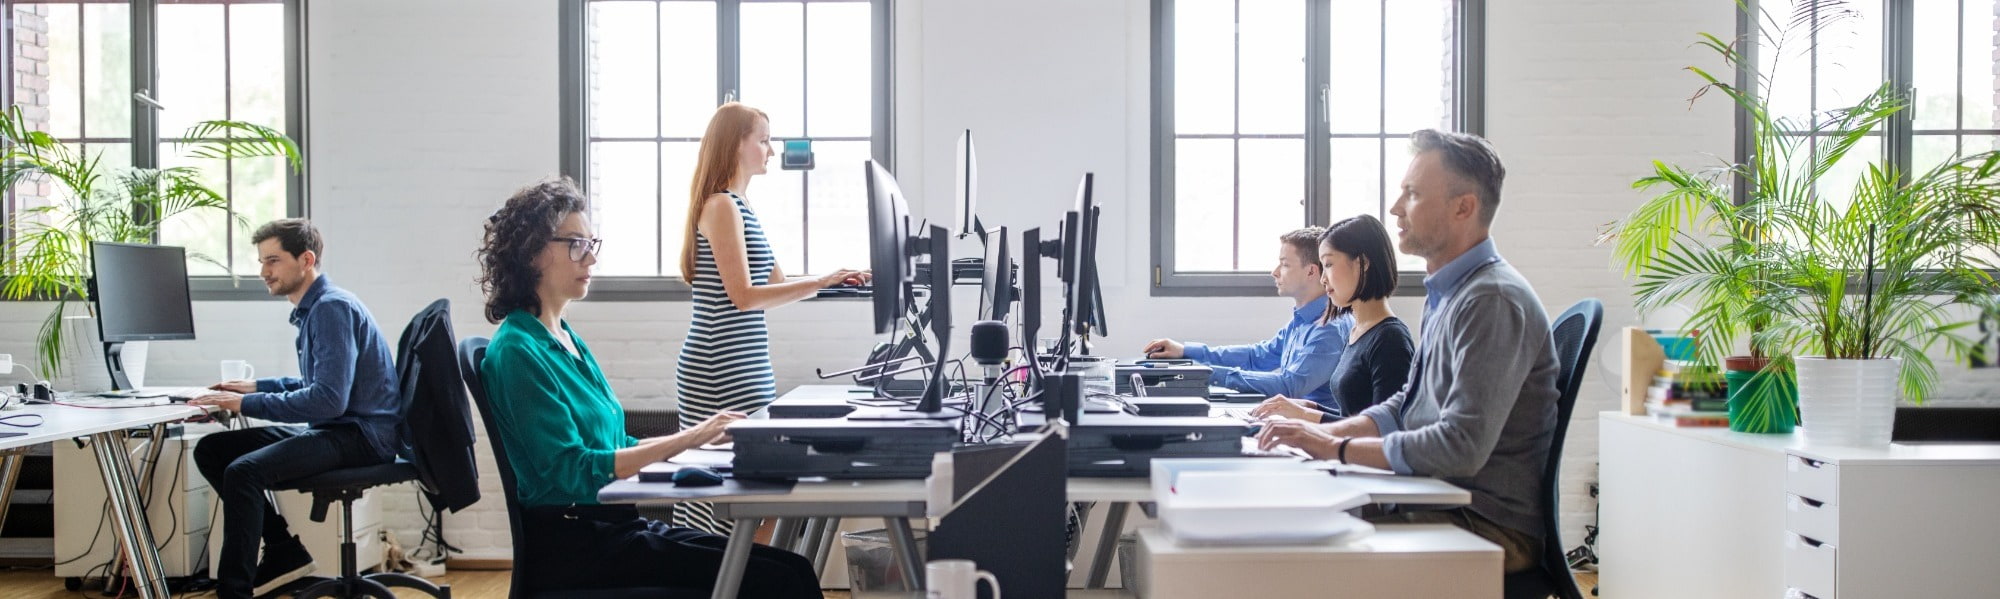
<point x="1399" y="560"/>
<point x="1713" y="513"/>
<point x="106" y="428"/>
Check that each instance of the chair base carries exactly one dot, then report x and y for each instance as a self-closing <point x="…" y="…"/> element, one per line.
<point x="373" y="585"/>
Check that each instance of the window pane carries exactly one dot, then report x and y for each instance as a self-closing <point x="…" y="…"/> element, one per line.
<point x="194" y="66"/>
<point x="257" y="195"/>
<point x="1355" y="71"/>
<point x="1419" y="75"/>
<point x="1982" y="76"/>
<point x="687" y="70"/>
<point x="1204" y="66"/>
<point x="623" y="70"/>
<point x="107" y="71"/>
<point x="1357" y="178"/>
<point x="47" y="85"/>
<point x="1204" y="205"/>
<point x="1397" y="164"/>
<point x="773" y="66"/>
<point x="1272" y="63"/>
<point x="204" y="232"/>
<point x="1935" y="60"/>
<point x="1850" y="55"/>
<point x="1273" y="198"/>
<point x="625" y="194"/>
<point x="836" y="196"/>
<point x="1837" y="185"/>
<point x="1928" y="151"/>
<point x="677" y="161"/>
<point x="1784" y="65"/>
<point x="778" y="198"/>
<point x="838" y="78"/>
<point x="256" y="65"/>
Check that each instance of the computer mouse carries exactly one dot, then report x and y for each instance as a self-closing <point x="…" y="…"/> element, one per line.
<point x="1254" y="429"/>
<point x="696" y="476"/>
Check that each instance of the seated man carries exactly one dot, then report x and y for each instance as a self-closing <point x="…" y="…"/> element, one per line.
<point x="1299" y="361"/>
<point x="346" y="398"/>
<point x="1480" y="405"/>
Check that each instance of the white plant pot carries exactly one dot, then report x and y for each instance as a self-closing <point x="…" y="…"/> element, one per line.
<point x="1848" y="402"/>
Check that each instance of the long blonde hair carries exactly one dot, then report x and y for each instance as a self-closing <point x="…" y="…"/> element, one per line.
<point x="716" y="167"/>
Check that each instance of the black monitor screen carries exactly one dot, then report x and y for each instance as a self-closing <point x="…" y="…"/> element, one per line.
<point x="141" y="292"/>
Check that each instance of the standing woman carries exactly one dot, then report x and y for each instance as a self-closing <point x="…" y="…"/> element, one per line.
<point x="725" y="364"/>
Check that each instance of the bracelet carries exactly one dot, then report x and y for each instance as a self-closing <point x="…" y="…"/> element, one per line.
<point x="1342" y="452"/>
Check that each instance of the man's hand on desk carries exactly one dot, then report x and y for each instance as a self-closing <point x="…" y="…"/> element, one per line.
<point x="1165" y="349"/>
<point x="1286" y="407"/>
<point x="236" y="386"/>
<point x="1304" y="436"/>
<point x="221" y="399"/>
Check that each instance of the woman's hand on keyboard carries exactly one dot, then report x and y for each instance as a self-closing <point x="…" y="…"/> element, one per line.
<point x="1305" y="436"/>
<point x="1285" y="407"/>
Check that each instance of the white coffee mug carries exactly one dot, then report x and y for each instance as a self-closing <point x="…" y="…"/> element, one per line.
<point x="238" y="370"/>
<point x="956" y="579"/>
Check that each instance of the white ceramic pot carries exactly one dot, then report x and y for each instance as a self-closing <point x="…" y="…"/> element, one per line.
<point x="1848" y="402"/>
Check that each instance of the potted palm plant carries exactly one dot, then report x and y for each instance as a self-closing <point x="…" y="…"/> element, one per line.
<point x="1861" y="280"/>
<point x="46" y="250"/>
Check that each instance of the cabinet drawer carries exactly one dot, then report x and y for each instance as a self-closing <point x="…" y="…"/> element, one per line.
<point x="1811" y="566"/>
<point x="1813" y="519"/>
<point x="1812" y="479"/>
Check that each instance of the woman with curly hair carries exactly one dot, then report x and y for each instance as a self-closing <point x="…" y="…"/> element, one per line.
<point x="725" y="363"/>
<point x="565" y="429"/>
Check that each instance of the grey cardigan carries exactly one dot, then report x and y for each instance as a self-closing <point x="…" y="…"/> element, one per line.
<point x="1484" y="403"/>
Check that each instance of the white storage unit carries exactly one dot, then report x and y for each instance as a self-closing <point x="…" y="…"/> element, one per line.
<point x="1712" y="513"/>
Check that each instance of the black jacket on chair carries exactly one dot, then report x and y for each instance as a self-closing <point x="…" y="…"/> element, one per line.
<point x="437" y="432"/>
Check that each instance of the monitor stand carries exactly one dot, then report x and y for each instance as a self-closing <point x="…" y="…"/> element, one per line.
<point x="114" y="360"/>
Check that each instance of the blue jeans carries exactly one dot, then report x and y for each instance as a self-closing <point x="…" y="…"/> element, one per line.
<point x="241" y="465"/>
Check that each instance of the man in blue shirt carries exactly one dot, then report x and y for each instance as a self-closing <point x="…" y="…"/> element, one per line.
<point x="1300" y="360"/>
<point x="346" y="397"/>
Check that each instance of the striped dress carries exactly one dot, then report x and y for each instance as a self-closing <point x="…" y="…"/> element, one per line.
<point x="725" y="364"/>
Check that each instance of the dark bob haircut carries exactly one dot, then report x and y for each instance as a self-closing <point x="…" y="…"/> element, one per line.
<point x="515" y="233"/>
<point x="1364" y="237"/>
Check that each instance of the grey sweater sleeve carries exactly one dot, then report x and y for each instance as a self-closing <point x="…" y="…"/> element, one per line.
<point x="1493" y="347"/>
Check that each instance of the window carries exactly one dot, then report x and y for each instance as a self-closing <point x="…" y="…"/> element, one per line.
<point x="72" y="75"/>
<point x="1942" y="51"/>
<point x="1270" y="115"/>
<point x="644" y="78"/>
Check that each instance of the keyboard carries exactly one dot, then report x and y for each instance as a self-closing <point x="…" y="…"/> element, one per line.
<point x="174" y="394"/>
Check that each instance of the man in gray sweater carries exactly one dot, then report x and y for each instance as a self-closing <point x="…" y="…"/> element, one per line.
<point x="1481" y="402"/>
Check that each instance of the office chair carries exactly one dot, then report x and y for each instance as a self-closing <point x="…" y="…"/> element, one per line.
<point x="471" y="352"/>
<point x="1575" y="335"/>
<point x="347" y="485"/>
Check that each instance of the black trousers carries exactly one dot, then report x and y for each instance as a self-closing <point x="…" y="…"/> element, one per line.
<point x="242" y="464"/>
<point x="590" y="547"/>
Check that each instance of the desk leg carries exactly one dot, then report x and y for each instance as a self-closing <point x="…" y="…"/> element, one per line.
<point x="905" y="543"/>
<point x="828" y="531"/>
<point x="809" y="538"/>
<point x="133" y="532"/>
<point x="10" y="472"/>
<point x="735" y="557"/>
<point x="786" y="535"/>
<point x="1107" y="545"/>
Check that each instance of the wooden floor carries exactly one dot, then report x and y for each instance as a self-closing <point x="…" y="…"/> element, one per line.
<point x="41" y="584"/>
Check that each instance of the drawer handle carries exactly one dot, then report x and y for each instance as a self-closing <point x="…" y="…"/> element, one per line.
<point x="1812" y="503"/>
<point x="1809" y="462"/>
<point x="1811" y="542"/>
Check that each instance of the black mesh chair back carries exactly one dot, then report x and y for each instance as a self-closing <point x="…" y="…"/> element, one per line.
<point x="1575" y="337"/>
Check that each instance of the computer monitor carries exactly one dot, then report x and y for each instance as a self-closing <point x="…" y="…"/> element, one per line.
<point x="891" y="249"/>
<point x="1087" y="304"/>
<point x="965" y="187"/>
<point x="996" y="284"/>
<point x="141" y="294"/>
<point x="888" y="256"/>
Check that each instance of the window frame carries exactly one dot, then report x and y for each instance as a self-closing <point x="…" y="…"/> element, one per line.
<point x="574" y="100"/>
<point x="1468" y="115"/>
<point x="146" y="136"/>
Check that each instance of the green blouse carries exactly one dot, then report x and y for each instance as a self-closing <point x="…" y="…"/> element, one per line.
<point x="557" y="415"/>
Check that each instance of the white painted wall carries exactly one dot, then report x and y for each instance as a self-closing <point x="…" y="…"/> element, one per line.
<point x="426" y="114"/>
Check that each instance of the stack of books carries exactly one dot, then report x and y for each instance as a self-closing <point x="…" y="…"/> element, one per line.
<point x="1687" y="395"/>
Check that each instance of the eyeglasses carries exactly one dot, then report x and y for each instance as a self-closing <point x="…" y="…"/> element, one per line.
<point x="579" y="246"/>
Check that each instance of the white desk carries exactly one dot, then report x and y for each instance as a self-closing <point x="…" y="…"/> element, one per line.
<point x="1713" y="513"/>
<point x="106" y="428"/>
